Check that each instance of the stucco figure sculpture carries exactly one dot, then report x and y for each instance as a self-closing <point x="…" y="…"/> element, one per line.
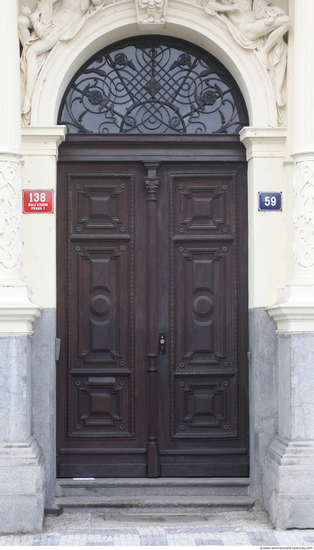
<point x="42" y="29"/>
<point x="151" y="11"/>
<point x="257" y="25"/>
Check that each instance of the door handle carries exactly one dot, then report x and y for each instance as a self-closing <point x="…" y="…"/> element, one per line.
<point x="162" y="343"/>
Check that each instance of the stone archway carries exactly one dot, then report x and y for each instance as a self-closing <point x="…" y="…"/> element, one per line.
<point x="120" y="293"/>
<point x="119" y="21"/>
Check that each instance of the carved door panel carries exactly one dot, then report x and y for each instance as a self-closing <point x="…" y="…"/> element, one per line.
<point x="102" y="373"/>
<point x="148" y="249"/>
<point x="202" y="261"/>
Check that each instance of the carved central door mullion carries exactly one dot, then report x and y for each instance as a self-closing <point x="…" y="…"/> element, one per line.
<point x="151" y="183"/>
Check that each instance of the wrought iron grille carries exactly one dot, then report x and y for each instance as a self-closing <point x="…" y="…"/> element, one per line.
<point x="153" y="85"/>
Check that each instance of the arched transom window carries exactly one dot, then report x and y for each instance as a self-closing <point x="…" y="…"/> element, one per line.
<point x="153" y="84"/>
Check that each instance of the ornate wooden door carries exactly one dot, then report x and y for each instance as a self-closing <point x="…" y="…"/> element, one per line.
<point x="152" y="308"/>
<point x="202" y="269"/>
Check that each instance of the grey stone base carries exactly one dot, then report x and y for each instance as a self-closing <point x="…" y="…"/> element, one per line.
<point x="21" y="487"/>
<point x="44" y="396"/>
<point x="155" y="495"/>
<point x="21" y="514"/>
<point x="156" y="505"/>
<point x="289" y="484"/>
<point x="263" y="394"/>
<point x="154" y="487"/>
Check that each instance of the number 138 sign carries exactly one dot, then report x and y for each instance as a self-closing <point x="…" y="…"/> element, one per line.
<point x="37" y="201"/>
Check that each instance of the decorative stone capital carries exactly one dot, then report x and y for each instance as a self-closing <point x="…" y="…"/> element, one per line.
<point x="151" y="11"/>
<point x="42" y="140"/>
<point x="151" y="187"/>
<point x="294" y="310"/>
<point x="264" y="142"/>
<point x="17" y="312"/>
<point x="152" y="180"/>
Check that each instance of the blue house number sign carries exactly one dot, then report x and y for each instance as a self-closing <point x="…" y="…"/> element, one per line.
<point x="269" y="201"/>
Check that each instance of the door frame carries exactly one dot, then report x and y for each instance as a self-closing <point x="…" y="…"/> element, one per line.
<point x="152" y="148"/>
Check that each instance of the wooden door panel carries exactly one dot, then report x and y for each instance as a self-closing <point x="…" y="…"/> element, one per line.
<point x="201" y="408"/>
<point x="100" y="291"/>
<point x="100" y="202"/>
<point x="103" y="384"/>
<point x="204" y="303"/>
<point x="205" y="407"/>
<point x="202" y="328"/>
<point x="103" y="406"/>
<point x="202" y="203"/>
<point x="204" y="464"/>
<point x="100" y="298"/>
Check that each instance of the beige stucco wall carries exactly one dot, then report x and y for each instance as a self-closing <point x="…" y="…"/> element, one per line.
<point x="267" y="171"/>
<point x="39" y="232"/>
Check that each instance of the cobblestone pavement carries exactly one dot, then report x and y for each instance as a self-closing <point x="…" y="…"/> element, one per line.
<point x="250" y="528"/>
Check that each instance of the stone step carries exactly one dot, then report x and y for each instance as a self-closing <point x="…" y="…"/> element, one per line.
<point x="144" y="487"/>
<point x="153" y="504"/>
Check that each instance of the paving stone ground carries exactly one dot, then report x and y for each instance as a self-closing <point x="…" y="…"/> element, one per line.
<point x="249" y="528"/>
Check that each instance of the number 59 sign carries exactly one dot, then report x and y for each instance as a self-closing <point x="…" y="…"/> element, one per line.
<point x="269" y="201"/>
<point x="38" y="201"/>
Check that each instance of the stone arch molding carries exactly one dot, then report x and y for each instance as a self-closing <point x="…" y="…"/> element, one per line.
<point x="183" y="19"/>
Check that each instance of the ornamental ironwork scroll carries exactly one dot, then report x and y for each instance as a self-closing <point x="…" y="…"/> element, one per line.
<point x="153" y="84"/>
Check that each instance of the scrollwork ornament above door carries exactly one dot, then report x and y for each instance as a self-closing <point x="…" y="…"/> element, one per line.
<point x="151" y="11"/>
<point x="303" y="213"/>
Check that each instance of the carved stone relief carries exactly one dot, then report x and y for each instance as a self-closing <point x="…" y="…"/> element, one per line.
<point x="41" y="30"/>
<point x="10" y="214"/>
<point x="303" y="185"/>
<point x="259" y="27"/>
<point x="151" y="11"/>
<point x="262" y="29"/>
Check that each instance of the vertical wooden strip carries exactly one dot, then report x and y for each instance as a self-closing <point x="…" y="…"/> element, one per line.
<point x="151" y="183"/>
<point x="152" y="458"/>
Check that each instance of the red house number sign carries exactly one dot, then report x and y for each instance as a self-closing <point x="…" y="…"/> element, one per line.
<point x="38" y="201"/>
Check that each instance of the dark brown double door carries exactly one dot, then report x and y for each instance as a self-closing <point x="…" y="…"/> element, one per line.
<point x="152" y="308"/>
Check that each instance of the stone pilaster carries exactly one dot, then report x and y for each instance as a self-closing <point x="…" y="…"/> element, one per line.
<point x="21" y="463"/>
<point x="40" y="152"/>
<point x="289" y="472"/>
